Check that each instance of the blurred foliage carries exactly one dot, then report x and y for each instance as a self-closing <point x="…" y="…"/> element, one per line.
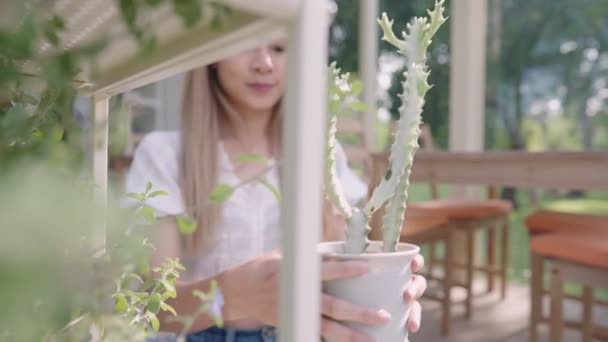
<point x="37" y="90"/>
<point x="53" y="286"/>
<point x="536" y="51"/>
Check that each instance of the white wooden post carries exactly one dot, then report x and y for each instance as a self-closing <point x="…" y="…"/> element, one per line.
<point x="368" y="69"/>
<point x="467" y="92"/>
<point x="303" y="142"/>
<point x="467" y="75"/>
<point x="99" y="165"/>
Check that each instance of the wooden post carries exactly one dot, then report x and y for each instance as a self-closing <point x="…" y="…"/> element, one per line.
<point x="557" y="298"/>
<point x="303" y="137"/>
<point x="536" y="294"/>
<point x="467" y="82"/>
<point x="368" y="65"/>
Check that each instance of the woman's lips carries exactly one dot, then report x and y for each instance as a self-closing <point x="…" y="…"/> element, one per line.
<point x="260" y="88"/>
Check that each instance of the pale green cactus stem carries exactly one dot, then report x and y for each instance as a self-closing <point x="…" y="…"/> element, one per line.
<point x="334" y="191"/>
<point x="357" y="227"/>
<point x="413" y="46"/>
<point x="342" y="96"/>
<point x="338" y="87"/>
<point x="356" y="220"/>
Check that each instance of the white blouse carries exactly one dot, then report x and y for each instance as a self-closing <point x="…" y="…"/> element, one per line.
<point x="249" y="224"/>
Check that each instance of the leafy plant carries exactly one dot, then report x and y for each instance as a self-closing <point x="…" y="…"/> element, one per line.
<point x="38" y="89"/>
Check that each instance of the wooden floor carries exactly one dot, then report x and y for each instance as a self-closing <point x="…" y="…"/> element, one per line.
<point x="495" y="320"/>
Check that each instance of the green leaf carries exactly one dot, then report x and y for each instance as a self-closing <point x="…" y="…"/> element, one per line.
<point x="155" y="323"/>
<point x="158" y="193"/>
<point x="358" y="106"/>
<point x="121" y="303"/>
<point x="37" y="133"/>
<point x="147" y="285"/>
<point x="251" y="158"/>
<point x="134" y="276"/>
<point x="217" y="22"/>
<point x="168" y="286"/>
<point x="333" y="107"/>
<point x="167" y="307"/>
<point x="136" y="296"/>
<point x="221" y="193"/>
<point x="29" y="99"/>
<point x="129" y="11"/>
<point x="186" y="225"/>
<point x="356" y="87"/>
<point x="149" y="46"/>
<point x="219" y="322"/>
<point x="201" y="295"/>
<point x="51" y="36"/>
<point x="139" y="197"/>
<point x="168" y="295"/>
<point x="189" y="10"/>
<point x="154" y="303"/>
<point x="270" y="187"/>
<point x="148" y="186"/>
<point x="154" y="2"/>
<point x="147" y="213"/>
<point x="57" y="133"/>
<point x="57" y="22"/>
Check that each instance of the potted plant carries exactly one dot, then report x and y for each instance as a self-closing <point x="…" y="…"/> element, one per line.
<point x="389" y="260"/>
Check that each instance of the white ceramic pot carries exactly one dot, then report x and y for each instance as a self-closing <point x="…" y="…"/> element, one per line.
<point x="381" y="288"/>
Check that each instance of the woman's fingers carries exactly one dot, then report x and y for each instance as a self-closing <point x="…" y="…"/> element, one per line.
<point x="341" y="310"/>
<point x="416" y="288"/>
<point x="336" y="332"/>
<point x="417" y="263"/>
<point x="331" y="270"/>
<point x="413" y="321"/>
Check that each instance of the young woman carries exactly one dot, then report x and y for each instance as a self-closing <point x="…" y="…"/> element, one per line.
<point x="229" y="109"/>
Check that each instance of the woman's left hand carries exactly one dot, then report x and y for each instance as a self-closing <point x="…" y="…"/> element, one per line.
<point x="413" y="292"/>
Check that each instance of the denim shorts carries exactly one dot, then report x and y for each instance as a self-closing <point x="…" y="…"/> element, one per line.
<point x="214" y="334"/>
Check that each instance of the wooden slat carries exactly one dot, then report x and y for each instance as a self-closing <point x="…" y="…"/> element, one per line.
<point x="556" y="170"/>
<point x="556" y="320"/>
<point x="599" y="333"/>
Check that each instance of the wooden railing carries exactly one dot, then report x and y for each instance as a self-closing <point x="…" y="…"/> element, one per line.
<point x="551" y="170"/>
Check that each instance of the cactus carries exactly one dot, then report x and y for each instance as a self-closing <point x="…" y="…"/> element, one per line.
<point x="343" y="97"/>
<point x="393" y="187"/>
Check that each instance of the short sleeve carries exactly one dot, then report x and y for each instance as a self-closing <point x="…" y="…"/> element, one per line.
<point x="355" y="189"/>
<point x="156" y="160"/>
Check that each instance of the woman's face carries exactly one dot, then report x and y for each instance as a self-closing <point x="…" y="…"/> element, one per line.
<point x="253" y="80"/>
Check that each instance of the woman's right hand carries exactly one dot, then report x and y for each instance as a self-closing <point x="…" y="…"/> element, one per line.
<point x="259" y="281"/>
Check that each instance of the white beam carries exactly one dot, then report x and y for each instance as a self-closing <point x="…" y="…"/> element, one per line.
<point x="193" y="49"/>
<point x="368" y="65"/>
<point x="275" y="9"/>
<point x="303" y="137"/>
<point x="99" y="165"/>
<point x="467" y="74"/>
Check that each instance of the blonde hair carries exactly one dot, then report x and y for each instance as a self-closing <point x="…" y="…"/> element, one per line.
<point x="204" y="108"/>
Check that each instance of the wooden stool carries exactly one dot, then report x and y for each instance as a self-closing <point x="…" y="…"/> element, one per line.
<point x="470" y="216"/>
<point x="581" y="258"/>
<point x="421" y="228"/>
<point x="550" y="221"/>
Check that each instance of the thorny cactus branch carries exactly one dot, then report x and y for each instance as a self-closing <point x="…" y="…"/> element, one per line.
<point x="342" y="96"/>
<point x="339" y="90"/>
<point x="334" y="190"/>
<point x="415" y="86"/>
